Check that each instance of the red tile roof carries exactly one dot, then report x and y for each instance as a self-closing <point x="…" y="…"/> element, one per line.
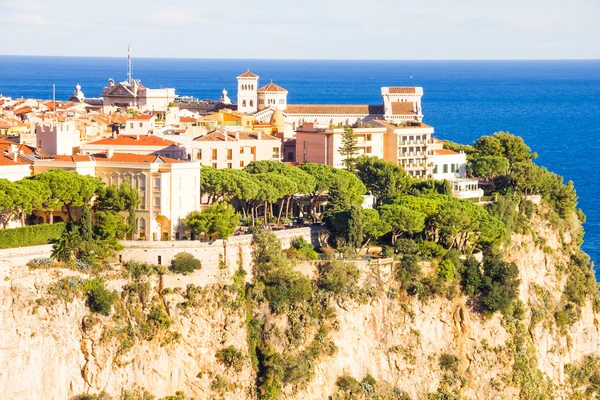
<point x="142" y="117"/>
<point x="402" y="90"/>
<point x="444" y="152"/>
<point x="23" y="110"/>
<point x="7" y="160"/>
<point x="5" y="145"/>
<point x="135" y="158"/>
<point x="362" y="109"/>
<point x="403" y="108"/>
<point x="219" y="135"/>
<point x="79" y="158"/>
<point x="248" y="74"/>
<point x="187" y="119"/>
<point x="271" y="87"/>
<point x="135" y="140"/>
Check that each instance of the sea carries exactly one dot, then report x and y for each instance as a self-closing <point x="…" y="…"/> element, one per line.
<point x="553" y="104"/>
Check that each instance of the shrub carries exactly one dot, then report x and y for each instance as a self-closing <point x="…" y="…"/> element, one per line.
<point x="286" y="287"/>
<point x="138" y="269"/>
<point x="445" y="270"/>
<point x="431" y="249"/>
<point x="40" y="262"/>
<point x="159" y="318"/>
<point x="388" y="251"/>
<point x="100" y="299"/>
<point x="406" y="246"/>
<point x="337" y="276"/>
<point x="471" y="277"/>
<point x="408" y="269"/>
<point x="302" y="249"/>
<point x="449" y="362"/>
<point x="185" y="263"/>
<point x="347" y="383"/>
<point x="33" y="235"/>
<point x="231" y="357"/>
<point x="499" y="285"/>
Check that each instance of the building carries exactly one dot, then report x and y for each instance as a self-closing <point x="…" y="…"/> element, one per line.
<point x="57" y="137"/>
<point x="169" y="188"/>
<point x="399" y="105"/>
<point x="140" y="124"/>
<point x="235" y="149"/>
<point x="452" y="166"/>
<point x="321" y="145"/>
<point x="14" y="165"/>
<point x="136" y="144"/>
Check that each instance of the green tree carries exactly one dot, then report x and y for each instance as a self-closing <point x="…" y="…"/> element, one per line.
<point x="349" y="148"/>
<point x="218" y="221"/>
<point x="345" y="192"/>
<point x="184" y="263"/>
<point x="490" y="146"/>
<point x="355" y="227"/>
<point x="402" y="220"/>
<point x="487" y="167"/>
<point x="337" y="276"/>
<point x="67" y="246"/>
<point x="374" y="227"/>
<point x="385" y="180"/>
<point x="8" y="201"/>
<point x="514" y="148"/>
<point x="85" y="224"/>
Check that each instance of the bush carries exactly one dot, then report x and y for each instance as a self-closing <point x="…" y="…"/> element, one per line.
<point x="471" y="277"/>
<point x="185" y="263"/>
<point x="431" y="249"/>
<point x="449" y="362"/>
<point x="40" y="262"/>
<point x="445" y="270"/>
<point x="301" y="249"/>
<point x="138" y="269"/>
<point x="158" y="317"/>
<point x="337" y="276"/>
<point x="100" y="299"/>
<point x="33" y="235"/>
<point x="347" y="383"/>
<point x="231" y="357"/>
<point x="408" y="270"/>
<point x="406" y="246"/>
<point x="499" y="285"/>
<point x="286" y="287"/>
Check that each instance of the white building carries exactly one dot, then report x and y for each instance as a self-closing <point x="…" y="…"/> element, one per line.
<point x="140" y="125"/>
<point x="57" y="137"/>
<point x="452" y="166"/>
<point x="247" y="98"/>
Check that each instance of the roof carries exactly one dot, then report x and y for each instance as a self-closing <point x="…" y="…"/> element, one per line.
<point x="248" y="74"/>
<point x="363" y="109"/>
<point x="141" y="117"/>
<point x="5" y="145"/>
<point x="79" y="158"/>
<point x="402" y="90"/>
<point x="408" y="125"/>
<point x="23" y="110"/>
<point x="187" y="119"/>
<point x="135" y="158"/>
<point x="271" y="87"/>
<point x="7" y="160"/>
<point x="403" y="108"/>
<point x="135" y="140"/>
<point x="219" y="135"/>
<point x="444" y="152"/>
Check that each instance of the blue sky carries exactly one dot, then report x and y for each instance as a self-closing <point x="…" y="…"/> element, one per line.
<point x="332" y="29"/>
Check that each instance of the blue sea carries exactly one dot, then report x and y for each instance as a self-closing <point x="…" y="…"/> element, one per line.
<point x="553" y="105"/>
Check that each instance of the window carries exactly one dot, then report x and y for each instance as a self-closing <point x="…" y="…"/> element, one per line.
<point x="156" y="182"/>
<point x="157" y="202"/>
<point x="368" y="150"/>
<point x="452" y="168"/>
<point x="435" y="169"/>
<point x="275" y="152"/>
<point x="214" y="154"/>
<point x="244" y="103"/>
<point x="241" y="150"/>
<point x="131" y="125"/>
<point x="141" y="124"/>
<point x="229" y="154"/>
<point x="199" y="155"/>
<point x="369" y="138"/>
<point x="253" y="150"/>
<point x="281" y="101"/>
<point x="229" y="165"/>
<point x="168" y="155"/>
<point x="251" y="104"/>
<point x="241" y="164"/>
<point x="214" y="165"/>
<point x="445" y="168"/>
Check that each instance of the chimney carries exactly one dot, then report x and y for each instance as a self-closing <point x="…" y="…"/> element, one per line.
<point x="12" y="151"/>
<point x="259" y="135"/>
<point x="110" y="153"/>
<point x="137" y="137"/>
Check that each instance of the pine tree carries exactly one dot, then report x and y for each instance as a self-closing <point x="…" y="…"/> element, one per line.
<point x="85" y="224"/>
<point x="354" y="234"/>
<point x="349" y="149"/>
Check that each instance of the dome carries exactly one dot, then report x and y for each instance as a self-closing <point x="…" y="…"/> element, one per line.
<point x="78" y="87"/>
<point x="224" y="92"/>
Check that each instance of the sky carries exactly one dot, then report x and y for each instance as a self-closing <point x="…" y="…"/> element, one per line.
<point x="303" y="29"/>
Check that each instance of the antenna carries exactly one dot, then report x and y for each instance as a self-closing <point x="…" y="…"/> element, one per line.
<point x="54" y="98"/>
<point x="129" y="69"/>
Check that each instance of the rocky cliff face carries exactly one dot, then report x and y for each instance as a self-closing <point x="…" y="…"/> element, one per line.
<point x="53" y="347"/>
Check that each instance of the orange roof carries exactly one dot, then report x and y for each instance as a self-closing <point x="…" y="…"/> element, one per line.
<point x="444" y="152"/>
<point x="402" y="90"/>
<point x="142" y="117"/>
<point x="219" y="135"/>
<point x="7" y="160"/>
<point x="271" y="87"/>
<point x="403" y="108"/>
<point x="248" y="74"/>
<point x="135" y="158"/>
<point x="363" y="109"/>
<point x="23" y="110"/>
<point x="187" y="119"/>
<point x="135" y="140"/>
<point x="71" y="158"/>
<point x="66" y="105"/>
<point x="5" y="145"/>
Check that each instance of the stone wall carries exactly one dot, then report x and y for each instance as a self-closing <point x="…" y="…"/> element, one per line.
<point x="18" y="256"/>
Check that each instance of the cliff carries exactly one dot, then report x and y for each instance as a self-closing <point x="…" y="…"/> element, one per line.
<point x="161" y="341"/>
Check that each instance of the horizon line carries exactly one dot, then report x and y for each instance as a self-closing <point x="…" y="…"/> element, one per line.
<point x="308" y="59"/>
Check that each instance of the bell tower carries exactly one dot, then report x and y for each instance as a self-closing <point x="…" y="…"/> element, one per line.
<point x="247" y="96"/>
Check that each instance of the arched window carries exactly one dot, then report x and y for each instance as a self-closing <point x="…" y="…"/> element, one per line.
<point x="251" y="103"/>
<point x="244" y="103"/>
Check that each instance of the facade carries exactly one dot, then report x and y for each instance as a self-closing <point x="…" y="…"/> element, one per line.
<point x="57" y="137"/>
<point x="452" y="166"/>
<point x="408" y="145"/>
<point x="136" y="144"/>
<point x="140" y="125"/>
<point x="235" y="149"/>
<point x="321" y="145"/>
<point x="13" y="166"/>
<point x="169" y="188"/>
<point x="247" y="97"/>
<point x="132" y="94"/>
